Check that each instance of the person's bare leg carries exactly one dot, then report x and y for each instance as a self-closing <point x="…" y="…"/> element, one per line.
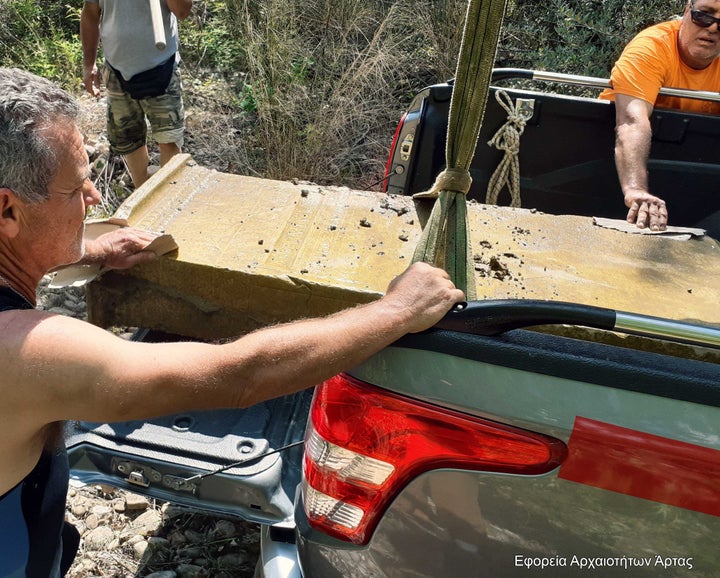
<point x="167" y="151"/>
<point x="137" y="162"/>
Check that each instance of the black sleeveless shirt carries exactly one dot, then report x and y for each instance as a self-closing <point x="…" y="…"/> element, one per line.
<point x="35" y="541"/>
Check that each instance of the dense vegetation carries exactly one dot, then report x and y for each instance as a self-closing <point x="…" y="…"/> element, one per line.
<point x="312" y="89"/>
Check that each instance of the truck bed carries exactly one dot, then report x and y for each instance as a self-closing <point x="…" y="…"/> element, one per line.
<point x="566" y="153"/>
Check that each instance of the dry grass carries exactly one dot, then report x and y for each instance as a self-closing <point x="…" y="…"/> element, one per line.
<point x="330" y="79"/>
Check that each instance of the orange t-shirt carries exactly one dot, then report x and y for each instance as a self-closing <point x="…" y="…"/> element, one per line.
<point x="651" y="60"/>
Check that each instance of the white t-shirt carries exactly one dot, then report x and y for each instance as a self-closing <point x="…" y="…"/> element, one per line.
<point x="127" y="36"/>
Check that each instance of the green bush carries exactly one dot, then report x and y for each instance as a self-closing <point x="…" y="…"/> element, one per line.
<point x="576" y="36"/>
<point x="41" y="36"/>
<point x="208" y="40"/>
<point x="326" y="80"/>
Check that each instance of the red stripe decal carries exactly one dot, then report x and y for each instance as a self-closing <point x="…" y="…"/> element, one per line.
<point x="643" y="465"/>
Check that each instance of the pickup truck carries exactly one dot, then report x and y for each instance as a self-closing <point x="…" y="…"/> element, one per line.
<point x="497" y="443"/>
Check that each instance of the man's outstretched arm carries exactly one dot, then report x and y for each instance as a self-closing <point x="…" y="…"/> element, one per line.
<point x="632" y="150"/>
<point x="63" y="368"/>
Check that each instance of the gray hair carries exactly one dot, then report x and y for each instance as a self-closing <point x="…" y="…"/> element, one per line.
<point x="29" y="105"/>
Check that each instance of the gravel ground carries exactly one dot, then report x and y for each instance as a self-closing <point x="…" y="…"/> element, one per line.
<point x="126" y="535"/>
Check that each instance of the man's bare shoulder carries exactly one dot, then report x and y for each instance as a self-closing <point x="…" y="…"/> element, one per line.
<point x="37" y="353"/>
<point x="48" y="358"/>
<point x="20" y="324"/>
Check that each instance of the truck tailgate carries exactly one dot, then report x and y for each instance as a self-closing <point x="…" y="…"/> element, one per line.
<point x="635" y="495"/>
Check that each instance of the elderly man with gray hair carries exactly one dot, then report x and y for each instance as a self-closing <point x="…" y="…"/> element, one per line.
<point x="56" y="368"/>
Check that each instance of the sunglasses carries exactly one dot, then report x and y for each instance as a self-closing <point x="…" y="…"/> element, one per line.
<point x="702" y="19"/>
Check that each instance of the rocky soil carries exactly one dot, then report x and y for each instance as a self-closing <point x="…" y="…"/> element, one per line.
<point x="125" y="535"/>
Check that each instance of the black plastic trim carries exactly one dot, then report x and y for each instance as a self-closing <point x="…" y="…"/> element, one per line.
<point x="491" y="317"/>
<point x="579" y="360"/>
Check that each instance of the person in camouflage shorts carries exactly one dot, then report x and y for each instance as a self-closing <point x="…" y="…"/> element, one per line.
<point x="143" y="82"/>
<point x="127" y="129"/>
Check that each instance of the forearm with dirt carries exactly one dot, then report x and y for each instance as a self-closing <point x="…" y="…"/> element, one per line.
<point x="632" y="148"/>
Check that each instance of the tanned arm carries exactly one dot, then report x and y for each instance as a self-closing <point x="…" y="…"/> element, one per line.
<point x="181" y="8"/>
<point x="632" y="150"/>
<point x="62" y="368"/>
<point x="90" y="39"/>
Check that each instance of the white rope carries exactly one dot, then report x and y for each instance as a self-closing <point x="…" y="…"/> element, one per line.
<point x="507" y="139"/>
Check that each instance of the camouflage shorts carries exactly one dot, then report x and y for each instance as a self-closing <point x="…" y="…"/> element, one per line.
<point x="126" y="118"/>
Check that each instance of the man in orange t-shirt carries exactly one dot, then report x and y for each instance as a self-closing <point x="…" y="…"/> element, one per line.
<point x="677" y="54"/>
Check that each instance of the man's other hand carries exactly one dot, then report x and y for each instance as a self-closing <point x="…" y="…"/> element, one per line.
<point x="646" y="210"/>
<point x="425" y="293"/>
<point x="120" y="249"/>
<point x="90" y="80"/>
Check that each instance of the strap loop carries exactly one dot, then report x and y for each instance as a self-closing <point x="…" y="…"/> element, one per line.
<point x="455" y="180"/>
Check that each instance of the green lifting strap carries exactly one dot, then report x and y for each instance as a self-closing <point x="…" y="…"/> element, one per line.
<point x="444" y="241"/>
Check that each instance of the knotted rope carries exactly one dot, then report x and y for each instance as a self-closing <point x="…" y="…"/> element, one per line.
<point x="458" y="180"/>
<point x="507" y="139"/>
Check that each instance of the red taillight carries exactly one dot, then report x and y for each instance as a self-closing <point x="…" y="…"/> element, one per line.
<point x="393" y="145"/>
<point x="364" y="444"/>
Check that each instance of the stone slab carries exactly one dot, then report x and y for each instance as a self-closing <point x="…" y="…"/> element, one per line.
<point x="254" y="252"/>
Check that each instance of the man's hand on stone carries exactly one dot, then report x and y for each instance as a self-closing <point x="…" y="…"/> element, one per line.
<point x="646" y="210"/>
<point x="120" y="249"/>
